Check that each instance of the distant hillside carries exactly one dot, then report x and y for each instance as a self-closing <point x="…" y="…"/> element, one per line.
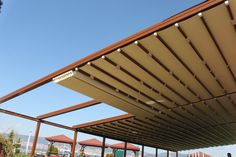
<point x="42" y="146"/>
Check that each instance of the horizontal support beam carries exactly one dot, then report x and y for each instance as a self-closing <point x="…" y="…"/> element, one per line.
<point x="57" y="125"/>
<point x="107" y="120"/>
<point x="35" y="119"/>
<point x="170" y="21"/>
<point x="69" y="109"/>
<point x="18" y="115"/>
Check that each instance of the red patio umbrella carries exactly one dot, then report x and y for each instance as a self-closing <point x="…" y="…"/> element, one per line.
<point x="60" y="139"/>
<point x="92" y="142"/>
<point x="122" y="146"/>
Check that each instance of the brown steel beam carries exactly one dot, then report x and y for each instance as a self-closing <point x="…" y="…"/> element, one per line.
<point x="35" y="119"/>
<point x="162" y="25"/>
<point x="74" y="144"/>
<point x="112" y="119"/>
<point x="69" y="109"/>
<point x="57" y="125"/>
<point x="17" y="115"/>
<point x="35" y="138"/>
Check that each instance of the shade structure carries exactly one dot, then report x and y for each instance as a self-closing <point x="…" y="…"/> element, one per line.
<point x="178" y="79"/>
<point x="92" y="142"/>
<point x="122" y="146"/>
<point x="60" y="139"/>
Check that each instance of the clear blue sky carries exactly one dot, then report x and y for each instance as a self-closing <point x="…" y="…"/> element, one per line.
<point x="39" y="37"/>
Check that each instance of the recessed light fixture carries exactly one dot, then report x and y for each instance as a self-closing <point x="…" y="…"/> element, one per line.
<point x="226" y="3"/>
<point x="200" y="14"/>
<point x="150" y="102"/>
<point x="176" y="25"/>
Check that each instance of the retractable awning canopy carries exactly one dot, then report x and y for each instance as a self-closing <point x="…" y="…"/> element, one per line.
<point x="176" y="80"/>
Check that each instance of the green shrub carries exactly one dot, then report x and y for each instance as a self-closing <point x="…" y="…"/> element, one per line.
<point x="52" y="150"/>
<point x="7" y="146"/>
<point x="17" y="146"/>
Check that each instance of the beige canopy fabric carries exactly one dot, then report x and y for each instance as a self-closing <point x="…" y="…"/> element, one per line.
<point x="178" y="81"/>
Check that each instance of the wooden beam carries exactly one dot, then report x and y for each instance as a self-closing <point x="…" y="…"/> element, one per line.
<point x="107" y="120"/>
<point x="69" y="109"/>
<point x="159" y="26"/>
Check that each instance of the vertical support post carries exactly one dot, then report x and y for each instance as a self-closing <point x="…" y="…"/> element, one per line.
<point x="142" y="151"/>
<point x="156" y="152"/>
<point x="177" y="153"/>
<point x="168" y="153"/>
<point x="71" y="146"/>
<point x="125" y="149"/>
<point x="35" y="138"/>
<point x="103" y="146"/>
<point x="74" y="144"/>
